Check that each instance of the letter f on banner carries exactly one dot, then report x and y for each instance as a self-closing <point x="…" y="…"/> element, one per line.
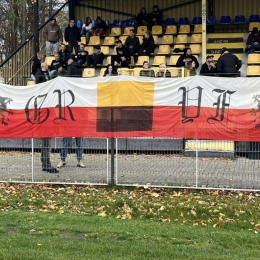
<point x="191" y="103"/>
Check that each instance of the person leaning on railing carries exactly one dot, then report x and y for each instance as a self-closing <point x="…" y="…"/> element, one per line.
<point x="163" y="72"/>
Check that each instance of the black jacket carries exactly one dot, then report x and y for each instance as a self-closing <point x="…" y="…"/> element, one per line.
<point x="228" y="63"/>
<point x="41" y="76"/>
<point x="205" y="69"/>
<point x="123" y="52"/>
<point x="36" y="65"/>
<point x="73" y="70"/>
<point x="132" y="41"/>
<point x="157" y="15"/>
<point x="184" y="58"/>
<point x="64" y="56"/>
<point x="101" y="25"/>
<point x="72" y="34"/>
<point x="142" y="17"/>
<point x="148" y="44"/>
<point x="54" y="63"/>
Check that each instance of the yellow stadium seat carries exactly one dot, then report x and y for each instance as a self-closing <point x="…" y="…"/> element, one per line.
<point x="88" y="73"/>
<point x="198" y="28"/>
<point x="253" y="58"/>
<point x="122" y="38"/>
<point x="159" y="60"/>
<point x="83" y="40"/>
<point x="179" y="46"/>
<point x="184" y="28"/>
<point x="164" y="50"/>
<point x="94" y="40"/>
<point x="114" y="51"/>
<point x="49" y="59"/>
<point x="30" y="82"/>
<point x="115" y="31"/>
<point x="157" y="30"/>
<point x="141" y="30"/>
<point x="105" y="50"/>
<point x="66" y="43"/>
<point x="196" y="38"/>
<point x="127" y="30"/>
<point x="89" y="49"/>
<point x="140" y="38"/>
<point x="171" y="29"/>
<point x="253" y="71"/>
<point x="102" y="71"/>
<point x="173" y="60"/>
<point x="155" y="38"/>
<point x="125" y="71"/>
<point x="141" y="59"/>
<point x="108" y="60"/>
<point x="252" y="25"/>
<point x="195" y="48"/>
<point x="167" y="39"/>
<point x="136" y="72"/>
<point x="175" y="72"/>
<point x="182" y="38"/>
<point x="109" y="40"/>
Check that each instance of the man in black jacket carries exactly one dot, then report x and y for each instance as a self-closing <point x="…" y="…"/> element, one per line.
<point x="73" y="69"/>
<point x="228" y="64"/>
<point x="96" y="58"/>
<point x="133" y="43"/>
<point x="36" y="64"/>
<point x="42" y="75"/>
<point x="185" y="58"/>
<point x="122" y="57"/>
<point x="72" y="36"/>
<point x="209" y="68"/>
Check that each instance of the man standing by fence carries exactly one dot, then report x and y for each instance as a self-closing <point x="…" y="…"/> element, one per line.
<point x="53" y="35"/>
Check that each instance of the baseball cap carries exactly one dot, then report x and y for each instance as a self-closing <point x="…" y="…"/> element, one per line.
<point x="118" y="41"/>
<point x="210" y="56"/>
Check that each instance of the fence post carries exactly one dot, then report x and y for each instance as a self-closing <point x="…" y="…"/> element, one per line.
<point x="32" y="161"/>
<point x="112" y="148"/>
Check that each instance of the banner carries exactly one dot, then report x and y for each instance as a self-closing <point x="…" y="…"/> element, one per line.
<point x="196" y="107"/>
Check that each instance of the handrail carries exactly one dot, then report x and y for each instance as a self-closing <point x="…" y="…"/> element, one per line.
<point x="39" y="28"/>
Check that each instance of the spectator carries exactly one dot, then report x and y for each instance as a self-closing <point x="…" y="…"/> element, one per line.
<point x="110" y="71"/>
<point x="155" y="17"/>
<point x="55" y="62"/>
<point x="64" y="54"/>
<point x="36" y="64"/>
<point x="53" y="35"/>
<point x="72" y="36"/>
<point x="42" y="75"/>
<point x="228" y="63"/>
<point x="81" y="55"/>
<point x="148" y="46"/>
<point x="146" y="71"/>
<point x="163" y="72"/>
<point x="87" y="29"/>
<point x="59" y="71"/>
<point x="101" y="27"/>
<point x="185" y="58"/>
<point x="142" y="18"/>
<point x="133" y="43"/>
<point x="253" y="41"/>
<point x="122" y="57"/>
<point x="192" y="68"/>
<point x="209" y="67"/>
<point x="73" y="69"/>
<point x="96" y="58"/>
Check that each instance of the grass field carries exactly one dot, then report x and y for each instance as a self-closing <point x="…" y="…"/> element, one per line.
<point x="56" y="222"/>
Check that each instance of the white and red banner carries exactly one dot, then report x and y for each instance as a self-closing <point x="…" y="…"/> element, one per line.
<point x="123" y="106"/>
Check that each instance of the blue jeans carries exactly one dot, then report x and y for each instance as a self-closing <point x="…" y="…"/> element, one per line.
<point x="87" y="33"/>
<point x="66" y="144"/>
<point x="254" y="47"/>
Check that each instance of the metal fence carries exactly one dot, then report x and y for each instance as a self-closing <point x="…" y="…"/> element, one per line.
<point x="157" y="162"/>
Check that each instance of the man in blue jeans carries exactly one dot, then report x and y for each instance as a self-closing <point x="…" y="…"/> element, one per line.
<point x="64" y="151"/>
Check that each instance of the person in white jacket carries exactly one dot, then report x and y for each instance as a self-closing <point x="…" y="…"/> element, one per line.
<point x="87" y="29"/>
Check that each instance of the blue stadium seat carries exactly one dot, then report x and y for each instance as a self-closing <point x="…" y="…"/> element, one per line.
<point x="225" y="20"/>
<point x="183" y="21"/>
<point x="130" y="23"/>
<point x="94" y="23"/>
<point x="254" y="18"/>
<point x="240" y="19"/>
<point x="117" y="23"/>
<point x="108" y="23"/>
<point x="78" y="23"/>
<point x="211" y="20"/>
<point x="196" y="20"/>
<point x="169" y="21"/>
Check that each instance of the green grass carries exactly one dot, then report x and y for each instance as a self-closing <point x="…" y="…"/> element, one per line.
<point x="54" y="222"/>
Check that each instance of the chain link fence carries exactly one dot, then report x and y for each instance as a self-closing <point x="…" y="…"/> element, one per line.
<point x="157" y="162"/>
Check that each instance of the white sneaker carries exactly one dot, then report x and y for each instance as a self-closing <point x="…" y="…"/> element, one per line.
<point x="61" y="163"/>
<point x="81" y="164"/>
